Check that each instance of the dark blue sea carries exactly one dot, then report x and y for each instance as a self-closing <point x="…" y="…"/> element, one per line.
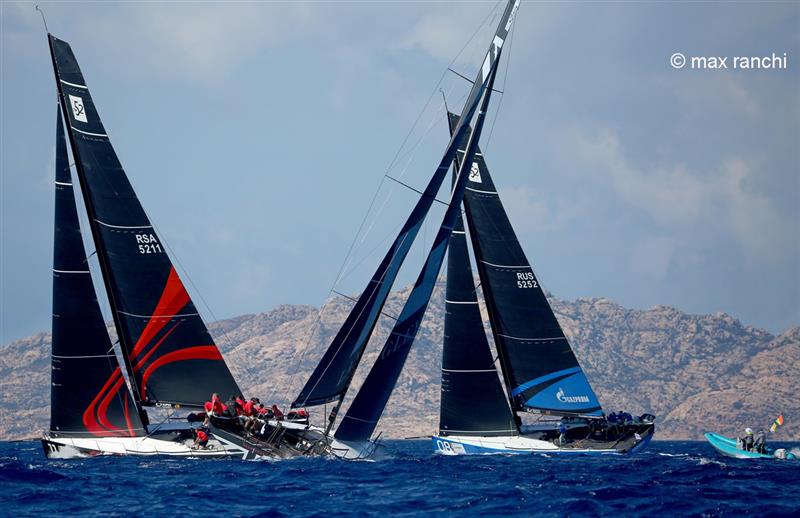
<point x="679" y="478"/>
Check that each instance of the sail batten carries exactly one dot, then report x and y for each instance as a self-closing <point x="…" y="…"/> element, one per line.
<point x="175" y="364"/>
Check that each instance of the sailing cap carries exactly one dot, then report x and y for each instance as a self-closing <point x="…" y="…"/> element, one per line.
<point x="748" y="431"/>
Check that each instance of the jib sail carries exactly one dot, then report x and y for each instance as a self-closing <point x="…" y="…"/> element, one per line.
<point x="472" y="398"/>
<point x="88" y="394"/>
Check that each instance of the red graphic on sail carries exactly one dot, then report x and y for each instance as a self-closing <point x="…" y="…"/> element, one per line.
<point x="173" y="299"/>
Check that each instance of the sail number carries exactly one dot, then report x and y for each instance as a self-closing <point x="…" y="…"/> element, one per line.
<point x="526" y="280"/>
<point x="148" y="244"/>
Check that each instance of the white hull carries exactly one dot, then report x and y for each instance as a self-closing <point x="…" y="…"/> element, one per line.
<point x="467" y="445"/>
<point x="76" y="447"/>
<point x="357" y="450"/>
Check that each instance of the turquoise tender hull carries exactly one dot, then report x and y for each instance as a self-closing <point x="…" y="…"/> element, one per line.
<point x="727" y="446"/>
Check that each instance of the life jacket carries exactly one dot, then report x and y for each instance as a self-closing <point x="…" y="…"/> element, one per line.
<point x="208" y="406"/>
<point x="277" y="413"/>
<point x="249" y="407"/>
<point x="202" y="436"/>
<point x="217" y="406"/>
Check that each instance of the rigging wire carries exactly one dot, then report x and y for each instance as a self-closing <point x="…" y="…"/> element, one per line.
<point x="505" y="80"/>
<point x="348" y="256"/>
<point x="44" y="21"/>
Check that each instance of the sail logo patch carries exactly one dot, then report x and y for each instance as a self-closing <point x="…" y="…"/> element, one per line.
<point x="475" y="173"/>
<point x="78" y="109"/>
<point x="570" y="399"/>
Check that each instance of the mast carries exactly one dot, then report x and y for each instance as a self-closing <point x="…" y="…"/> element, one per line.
<point x="169" y="354"/>
<point x="88" y="395"/>
<point x="334" y="373"/>
<point x="364" y="412"/>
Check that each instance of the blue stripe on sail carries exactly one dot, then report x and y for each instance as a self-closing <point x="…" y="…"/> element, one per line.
<point x="570" y="394"/>
<point x="541" y="379"/>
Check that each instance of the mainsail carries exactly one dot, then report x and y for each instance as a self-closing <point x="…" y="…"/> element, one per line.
<point x="88" y="394"/>
<point x="539" y="367"/>
<point x="333" y="374"/>
<point x="364" y="412"/>
<point x="166" y="346"/>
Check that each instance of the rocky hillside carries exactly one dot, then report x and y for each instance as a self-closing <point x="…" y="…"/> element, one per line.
<point x="695" y="372"/>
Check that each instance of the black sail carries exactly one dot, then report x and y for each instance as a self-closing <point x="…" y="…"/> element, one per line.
<point x="88" y="394"/>
<point x="472" y="398"/>
<point x="364" y="412"/>
<point x="166" y="345"/>
<point x="333" y="374"/>
<point x="539" y="367"/>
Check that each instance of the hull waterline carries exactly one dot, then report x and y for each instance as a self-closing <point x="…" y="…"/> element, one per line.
<point x="524" y="444"/>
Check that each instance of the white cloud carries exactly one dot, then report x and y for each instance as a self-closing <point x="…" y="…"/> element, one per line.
<point x="200" y="40"/>
<point x="679" y="199"/>
<point x="440" y="32"/>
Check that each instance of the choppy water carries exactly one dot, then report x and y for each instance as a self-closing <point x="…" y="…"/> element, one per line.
<point x="680" y="478"/>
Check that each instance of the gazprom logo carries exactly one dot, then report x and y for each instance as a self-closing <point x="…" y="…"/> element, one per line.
<point x="570" y="399"/>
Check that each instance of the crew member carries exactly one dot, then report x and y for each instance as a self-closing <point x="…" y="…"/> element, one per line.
<point x="277" y="413"/>
<point x="214" y="407"/>
<point x="747" y="441"/>
<point x="562" y="432"/>
<point x="201" y="439"/>
<point x="761" y="442"/>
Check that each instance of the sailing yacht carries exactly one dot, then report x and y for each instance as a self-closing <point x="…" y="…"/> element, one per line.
<point x="170" y="360"/>
<point x="540" y="372"/>
<point x="331" y="379"/>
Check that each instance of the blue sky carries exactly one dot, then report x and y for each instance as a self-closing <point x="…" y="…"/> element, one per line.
<point x="256" y="135"/>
